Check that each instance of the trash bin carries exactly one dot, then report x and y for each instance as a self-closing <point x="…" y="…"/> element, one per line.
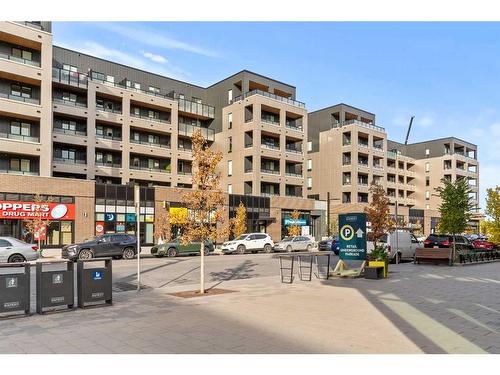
<point x="55" y="288"/>
<point x="94" y="284"/>
<point x="14" y="289"/>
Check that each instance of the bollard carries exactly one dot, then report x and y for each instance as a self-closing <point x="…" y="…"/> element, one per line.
<point x="14" y="290"/>
<point x="55" y="288"/>
<point x="94" y="285"/>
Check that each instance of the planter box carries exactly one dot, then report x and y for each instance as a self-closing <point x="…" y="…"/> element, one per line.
<point x="380" y="263"/>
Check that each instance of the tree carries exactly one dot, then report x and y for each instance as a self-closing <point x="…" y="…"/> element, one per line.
<point x="455" y="207"/>
<point x="334" y="225"/>
<point x="377" y="213"/>
<point x="493" y="211"/>
<point x="205" y="203"/>
<point x="294" y="230"/>
<point x="239" y="222"/>
<point x="37" y="226"/>
<point x="163" y="229"/>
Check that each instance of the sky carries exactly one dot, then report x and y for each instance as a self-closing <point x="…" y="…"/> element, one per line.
<point x="444" y="74"/>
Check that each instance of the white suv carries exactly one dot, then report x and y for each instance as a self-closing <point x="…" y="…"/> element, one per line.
<point x="252" y="242"/>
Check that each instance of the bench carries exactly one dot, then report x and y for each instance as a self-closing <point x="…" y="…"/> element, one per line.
<point x="434" y="255"/>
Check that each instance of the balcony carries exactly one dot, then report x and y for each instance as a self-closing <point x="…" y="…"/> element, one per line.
<point x="67" y="77"/>
<point x="144" y="117"/>
<point x="109" y="137"/>
<point x="69" y="103"/>
<point x="69" y="131"/>
<point x="359" y="123"/>
<point x="293" y="174"/>
<point x="269" y="171"/>
<point x="110" y="110"/>
<point x="152" y="144"/>
<point x="195" y="108"/>
<point x="147" y="169"/>
<point x="69" y="161"/>
<point x="19" y="98"/>
<point x="293" y="125"/>
<point x="270" y="146"/>
<point x="271" y="96"/>
<point x="20" y="60"/>
<point x="26" y="173"/>
<point x="108" y="164"/>
<point x="18" y="137"/>
<point x="294" y="150"/>
<point x="188" y="130"/>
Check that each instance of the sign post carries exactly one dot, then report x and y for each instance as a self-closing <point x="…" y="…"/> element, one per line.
<point x="352" y="242"/>
<point x="137" y="199"/>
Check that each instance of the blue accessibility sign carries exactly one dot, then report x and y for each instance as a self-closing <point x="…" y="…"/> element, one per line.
<point x="96" y="275"/>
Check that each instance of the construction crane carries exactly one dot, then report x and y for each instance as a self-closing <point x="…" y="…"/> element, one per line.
<point x="409" y="128"/>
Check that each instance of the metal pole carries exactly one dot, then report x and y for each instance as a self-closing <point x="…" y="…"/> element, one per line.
<point x="137" y="199"/>
<point x="328" y="232"/>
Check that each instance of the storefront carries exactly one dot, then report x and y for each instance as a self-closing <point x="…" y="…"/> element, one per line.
<point x="16" y="209"/>
<point x="257" y="209"/>
<point x="304" y="222"/>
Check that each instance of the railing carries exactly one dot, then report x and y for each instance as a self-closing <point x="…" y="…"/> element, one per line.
<point x="247" y="145"/>
<point x="291" y="125"/>
<point x="110" y="110"/>
<point x="271" y="96"/>
<point x="269" y="171"/>
<point x="18" y="137"/>
<point x="69" y="78"/>
<point x="69" y="103"/>
<point x="346" y="183"/>
<point x="196" y="108"/>
<point x="293" y="150"/>
<point x="19" y="60"/>
<point x="107" y="164"/>
<point x="150" y="118"/>
<point x="28" y="173"/>
<point x="109" y="137"/>
<point x="188" y="130"/>
<point x="392" y="154"/>
<point x="248" y="170"/>
<point x="31" y="24"/>
<point x="160" y="170"/>
<point x="19" y="98"/>
<point x="153" y="144"/>
<point x="69" y="131"/>
<point x="360" y="123"/>
<point x="69" y="161"/>
<point x="266" y="194"/>
<point x="378" y="166"/>
<point x="378" y="149"/>
<point x="269" y="122"/>
<point x="270" y="146"/>
<point x="346" y="143"/>
<point x="293" y="174"/>
<point x="185" y="173"/>
<point x="364" y="145"/>
<point x="363" y="183"/>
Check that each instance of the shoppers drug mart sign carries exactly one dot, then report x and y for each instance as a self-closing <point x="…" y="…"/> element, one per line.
<point x="32" y="210"/>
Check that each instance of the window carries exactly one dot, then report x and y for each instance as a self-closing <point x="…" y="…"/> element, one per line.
<point x="68" y="154"/>
<point x="22" y="54"/>
<point x="181" y="96"/>
<point x="153" y="139"/>
<point x="136" y="162"/>
<point x="136" y="136"/>
<point x="98" y="157"/>
<point x="427" y="194"/>
<point x="230" y="144"/>
<point x="15" y="164"/>
<point x="427" y="152"/>
<point x="230" y="96"/>
<point x="153" y="164"/>
<point x="229" y="120"/>
<point x="68" y="125"/>
<point x="21" y="91"/>
<point x="137" y="86"/>
<point x="427" y="181"/>
<point x="230" y="189"/>
<point x="110" y="79"/>
<point x="136" y="111"/>
<point x="309" y="146"/>
<point x="71" y="68"/>
<point x="25" y="165"/>
<point x="230" y="168"/>
<point x="99" y="103"/>
<point x="427" y="206"/>
<point x="156" y="90"/>
<point x="427" y="167"/>
<point x="309" y="182"/>
<point x="69" y="97"/>
<point x="309" y="165"/>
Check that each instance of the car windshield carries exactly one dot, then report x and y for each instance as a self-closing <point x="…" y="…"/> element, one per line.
<point x="287" y="239"/>
<point x="242" y="237"/>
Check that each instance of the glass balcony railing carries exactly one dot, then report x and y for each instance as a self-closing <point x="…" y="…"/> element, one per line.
<point x="196" y="108"/>
<point x="108" y="164"/>
<point x="11" y="171"/>
<point x="109" y="137"/>
<point x="70" y="131"/>
<point x="147" y="169"/>
<point x="149" y="118"/>
<point x="293" y="150"/>
<point x="188" y="130"/>
<point x="19" y="60"/>
<point x="293" y="125"/>
<point x="270" y="146"/>
<point x="338" y="124"/>
<point x="269" y="171"/>
<point x="392" y="154"/>
<point x="69" y="161"/>
<point x="69" y="103"/>
<point x="293" y="174"/>
<point x="69" y="78"/>
<point x="152" y="144"/>
<point x="19" y="98"/>
<point x="110" y="110"/>
<point x="271" y="96"/>
<point x="19" y="137"/>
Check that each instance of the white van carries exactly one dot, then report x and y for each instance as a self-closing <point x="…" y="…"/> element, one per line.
<point x="401" y="244"/>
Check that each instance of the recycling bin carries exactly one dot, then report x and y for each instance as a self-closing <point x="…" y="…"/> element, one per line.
<point x="14" y="289"/>
<point x="94" y="283"/>
<point x="55" y="288"/>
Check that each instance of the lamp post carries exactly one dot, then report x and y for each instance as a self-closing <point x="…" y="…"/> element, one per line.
<point x="137" y="199"/>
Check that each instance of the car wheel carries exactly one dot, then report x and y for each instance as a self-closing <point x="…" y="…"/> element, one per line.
<point x="268" y="248"/>
<point x="172" y="252"/>
<point x="289" y="248"/>
<point x="16" y="258"/>
<point x="128" y="253"/>
<point x="241" y="249"/>
<point x="309" y="247"/>
<point x="85" y="254"/>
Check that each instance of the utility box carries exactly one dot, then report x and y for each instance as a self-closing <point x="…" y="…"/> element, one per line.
<point x="94" y="284"/>
<point x="55" y="288"/>
<point x="14" y="289"/>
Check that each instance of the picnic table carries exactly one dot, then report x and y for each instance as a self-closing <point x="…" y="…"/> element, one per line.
<point x="305" y="261"/>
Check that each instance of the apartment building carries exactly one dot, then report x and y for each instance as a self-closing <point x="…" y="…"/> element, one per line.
<point x="71" y="116"/>
<point x="358" y="152"/>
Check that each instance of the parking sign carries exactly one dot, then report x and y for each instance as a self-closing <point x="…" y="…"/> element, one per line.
<point x="352" y="236"/>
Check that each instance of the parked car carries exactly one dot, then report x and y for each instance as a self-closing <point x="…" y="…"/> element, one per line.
<point x="252" y="242"/>
<point x="175" y="247"/>
<point x="116" y="245"/>
<point x="13" y="250"/>
<point x="400" y="245"/>
<point x="481" y="244"/>
<point x="329" y="244"/>
<point x="446" y="240"/>
<point x="294" y="243"/>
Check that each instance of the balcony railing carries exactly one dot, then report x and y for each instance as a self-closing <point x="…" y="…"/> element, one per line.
<point x="196" y="108"/>
<point x="269" y="122"/>
<point x="152" y="144"/>
<point x="293" y="150"/>
<point x="27" y="173"/>
<point x="69" y="131"/>
<point x="392" y="154"/>
<point x="19" y="98"/>
<point x="69" y="103"/>
<point x="109" y="137"/>
<point x="270" y="146"/>
<point x="18" y="137"/>
<point x="269" y="171"/>
<point x="268" y="194"/>
<point x="19" y="60"/>
<point x="150" y="118"/>
<point x="248" y="170"/>
<point x="292" y="125"/>
<point x="110" y="110"/>
<point x="293" y="174"/>
<point x="188" y="130"/>
<point x="159" y="170"/>
<point x="108" y="164"/>
<point x="271" y="96"/>
<point x="69" y="161"/>
<point x="185" y="173"/>
<point x="69" y="78"/>
<point x="360" y="123"/>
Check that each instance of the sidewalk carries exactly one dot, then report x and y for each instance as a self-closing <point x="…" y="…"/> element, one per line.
<point x="261" y="316"/>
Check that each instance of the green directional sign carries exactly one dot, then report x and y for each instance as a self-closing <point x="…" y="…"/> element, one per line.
<point x="352" y="236"/>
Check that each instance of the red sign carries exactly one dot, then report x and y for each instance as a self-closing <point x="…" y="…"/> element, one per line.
<point x="99" y="227"/>
<point x="32" y="210"/>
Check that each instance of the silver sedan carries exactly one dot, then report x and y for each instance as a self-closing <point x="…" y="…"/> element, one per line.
<point x="13" y="250"/>
<point x="294" y="243"/>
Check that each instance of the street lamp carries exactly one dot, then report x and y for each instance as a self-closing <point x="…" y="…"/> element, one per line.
<point x="137" y="199"/>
